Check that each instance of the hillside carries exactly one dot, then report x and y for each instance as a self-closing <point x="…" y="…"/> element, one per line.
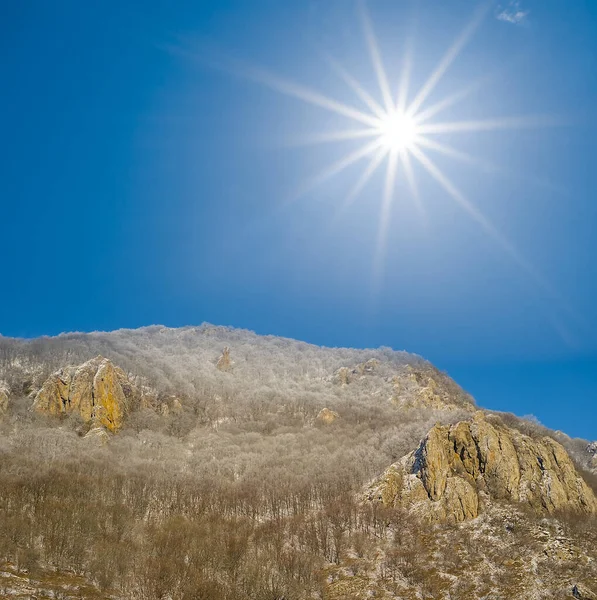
<point x="209" y="462"/>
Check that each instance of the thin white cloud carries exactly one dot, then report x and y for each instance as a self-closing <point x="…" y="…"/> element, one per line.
<point x="513" y="13"/>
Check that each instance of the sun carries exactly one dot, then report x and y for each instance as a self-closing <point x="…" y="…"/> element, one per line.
<point x="398" y="131"/>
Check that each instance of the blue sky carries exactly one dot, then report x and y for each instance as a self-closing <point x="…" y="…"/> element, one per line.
<point x="146" y="178"/>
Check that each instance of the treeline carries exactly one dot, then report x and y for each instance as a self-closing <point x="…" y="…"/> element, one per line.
<point x="151" y="535"/>
<point x="182" y="361"/>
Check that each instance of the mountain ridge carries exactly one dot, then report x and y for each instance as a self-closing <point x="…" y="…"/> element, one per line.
<point x="240" y="464"/>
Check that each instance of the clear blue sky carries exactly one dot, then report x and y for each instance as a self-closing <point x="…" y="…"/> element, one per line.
<point x="145" y="181"/>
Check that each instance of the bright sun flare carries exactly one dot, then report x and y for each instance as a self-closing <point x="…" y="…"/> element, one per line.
<point x="398" y="131"/>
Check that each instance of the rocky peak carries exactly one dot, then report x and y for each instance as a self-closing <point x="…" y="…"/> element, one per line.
<point x="97" y="390"/>
<point x="457" y="469"/>
<point x="224" y="362"/>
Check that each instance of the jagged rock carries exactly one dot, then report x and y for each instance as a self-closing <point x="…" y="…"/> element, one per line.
<point x="582" y="593"/>
<point x="417" y="388"/>
<point x="110" y="403"/>
<point x="168" y="405"/>
<point x="369" y="366"/>
<point x="342" y="376"/>
<point x="456" y="468"/>
<point x="98" y="434"/>
<point x="97" y="390"/>
<point x="224" y="363"/>
<point x="345" y="375"/>
<point x="592" y="450"/>
<point x="327" y="416"/>
<point x="4" y="396"/>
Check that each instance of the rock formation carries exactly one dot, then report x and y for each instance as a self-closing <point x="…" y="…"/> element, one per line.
<point x="418" y="387"/>
<point x="456" y="469"/>
<point x="224" y="363"/>
<point x="4" y="396"/>
<point x="327" y="416"/>
<point x="346" y="375"/>
<point x="581" y="593"/>
<point x="97" y="434"/>
<point x="97" y="390"/>
<point x="592" y="450"/>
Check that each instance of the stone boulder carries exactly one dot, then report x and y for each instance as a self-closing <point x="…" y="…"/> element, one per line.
<point x="327" y="416"/>
<point x="98" y="435"/>
<point x="96" y="390"/>
<point x="458" y="468"/>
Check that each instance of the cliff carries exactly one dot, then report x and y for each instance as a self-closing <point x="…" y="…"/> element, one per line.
<point x="97" y="390"/>
<point x="458" y="469"/>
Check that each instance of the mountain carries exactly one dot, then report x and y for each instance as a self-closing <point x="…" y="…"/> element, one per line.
<point x="210" y="462"/>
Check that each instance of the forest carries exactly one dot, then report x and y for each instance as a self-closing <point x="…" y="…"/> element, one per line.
<point x="242" y="492"/>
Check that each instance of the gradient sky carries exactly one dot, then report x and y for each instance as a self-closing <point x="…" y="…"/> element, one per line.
<point x="144" y="180"/>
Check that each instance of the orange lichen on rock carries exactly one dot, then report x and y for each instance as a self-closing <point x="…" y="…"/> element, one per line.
<point x="327" y="416"/>
<point x="94" y="390"/>
<point x="456" y="467"/>
<point x="224" y="363"/>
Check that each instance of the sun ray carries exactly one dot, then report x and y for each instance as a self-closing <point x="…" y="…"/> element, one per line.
<point x="403" y="88"/>
<point x="458" y="155"/>
<point x="382" y="78"/>
<point x="283" y="86"/>
<point x="485" y="165"/>
<point x="356" y="87"/>
<point x="412" y="182"/>
<point x="384" y="218"/>
<point x="312" y="139"/>
<point x="310" y="96"/>
<point x="483" y="221"/>
<point x="448" y="59"/>
<point x="337" y="167"/>
<point x="374" y="163"/>
<point x="528" y="122"/>
<point x="441" y="105"/>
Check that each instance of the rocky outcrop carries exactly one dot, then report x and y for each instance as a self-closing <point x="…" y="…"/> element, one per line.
<point x="458" y="468"/>
<point x="346" y="375"/>
<point x="580" y="592"/>
<point x="169" y="406"/>
<point x="97" y="391"/>
<point x="420" y="388"/>
<point x="4" y="397"/>
<point x="592" y="450"/>
<point x="327" y="416"/>
<point x="98" y="435"/>
<point x="224" y="362"/>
